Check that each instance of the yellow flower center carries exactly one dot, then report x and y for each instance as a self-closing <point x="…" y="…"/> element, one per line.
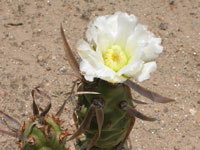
<point x="115" y="58"/>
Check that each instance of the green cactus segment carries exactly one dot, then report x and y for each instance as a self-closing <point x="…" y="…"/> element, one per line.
<point x="116" y="121"/>
<point x="43" y="140"/>
<point x="54" y="125"/>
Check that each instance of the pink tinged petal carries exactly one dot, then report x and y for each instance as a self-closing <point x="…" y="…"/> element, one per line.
<point x="147" y="69"/>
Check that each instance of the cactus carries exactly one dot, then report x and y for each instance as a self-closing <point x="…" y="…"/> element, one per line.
<point x="41" y="132"/>
<point x="38" y="140"/>
<point x="107" y="119"/>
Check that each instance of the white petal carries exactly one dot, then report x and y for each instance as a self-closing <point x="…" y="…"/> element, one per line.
<point x="101" y="72"/>
<point x="126" y="24"/>
<point x="152" y="50"/>
<point x="141" y="35"/>
<point x="104" y="41"/>
<point x="137" y="41"/>
<point x="87" y="69"/>
<point x="143" y="45"/>
<point x="106" y="25"/>
<point x="147" y="69"/>
<point x="132" y="69"/>
<point x="87" y="53"/>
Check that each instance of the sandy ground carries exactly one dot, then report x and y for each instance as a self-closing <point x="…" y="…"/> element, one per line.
<point x="31" y="54"/>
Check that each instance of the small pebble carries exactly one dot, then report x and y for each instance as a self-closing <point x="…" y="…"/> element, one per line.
<point x="101" y="8"/>
<point x="54" y="57"/>
<point x="198" y="102"/>
<point x="11" y="37"/>
<point x="195" y="54"/>
<point x="171" y="3"/>
<point x="177" y="79"/>
<point x="165" y="110"/>
<point x="48" y="69"/>
<point x="176" y="148"/>
<point x="163" y="26"/>
<point x="198" y="91"/>
<point x="192" y="111"/>
<point x="85" y="15"/>
<point x="40" y="58"/>
<point x="156" y="110"/>
<point x="63" y="69"/>
<point x="152" y="131"/>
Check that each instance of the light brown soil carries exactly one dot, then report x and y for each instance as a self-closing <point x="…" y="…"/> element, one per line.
<point x="31" y="54"/>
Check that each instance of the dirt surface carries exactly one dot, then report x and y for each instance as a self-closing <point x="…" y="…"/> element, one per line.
<point x="31" y="54"/>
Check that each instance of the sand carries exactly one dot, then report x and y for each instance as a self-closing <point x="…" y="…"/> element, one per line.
<point x="31" y="54"/>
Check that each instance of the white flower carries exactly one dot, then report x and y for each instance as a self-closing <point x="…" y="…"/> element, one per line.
<point x="118" y="48"/>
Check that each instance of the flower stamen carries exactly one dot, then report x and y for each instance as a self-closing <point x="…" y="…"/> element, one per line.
<point x="115" y="58"/>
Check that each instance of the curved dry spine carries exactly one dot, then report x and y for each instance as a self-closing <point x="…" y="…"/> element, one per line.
<point x="13" y="129"/>
<point x="13" y="134"/>
<point x="10" y="119"/>
<point x="98" y="103"/>
<point x="15" y="125"/>
<point x="132" y="112"/>
<point x="85" y="124"/>
<point x="147" y="93"/>
<point x="132" y="122"/>
<point x="71" y="94"/>
<point x="71" y="59"/>
<point x="139" y="102"/>
<point x="96" y="109"/>
<point x="35" y="107"/>
<point x="59" y="112"/>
